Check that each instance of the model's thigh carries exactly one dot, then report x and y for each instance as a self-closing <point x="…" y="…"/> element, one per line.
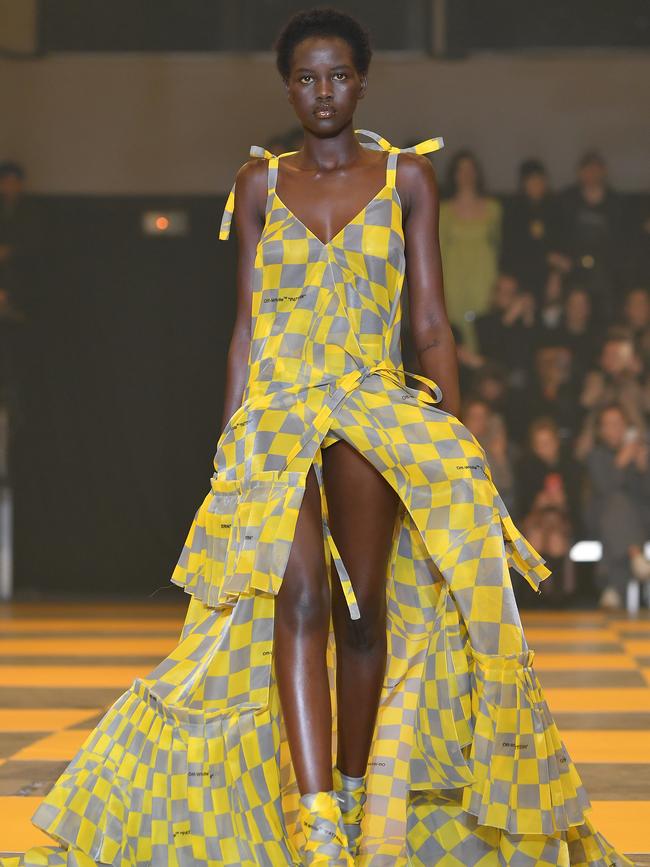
<point x="362" y="508"/>
<point x="304" y="594"/>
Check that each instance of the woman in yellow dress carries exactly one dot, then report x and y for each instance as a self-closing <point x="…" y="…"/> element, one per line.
<point x="470" y="241"/>
<point x="331" y="469"/>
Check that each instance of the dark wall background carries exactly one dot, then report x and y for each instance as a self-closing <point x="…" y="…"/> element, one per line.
<point x="120" y="402"/>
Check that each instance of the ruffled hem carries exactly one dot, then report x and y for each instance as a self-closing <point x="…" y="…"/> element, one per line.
<point x="484" y="725"/>
<point x="442" y="832"/>
<point x="158" y="784"/>
<point x="174" y="775"/>
<point x="241" y="538"/>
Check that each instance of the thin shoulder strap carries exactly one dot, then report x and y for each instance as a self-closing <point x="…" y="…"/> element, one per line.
<point x="379" y="143"/>
<point x="228" y="211"/>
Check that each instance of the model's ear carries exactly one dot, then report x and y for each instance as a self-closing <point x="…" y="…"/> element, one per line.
<point x="364" y="86"/>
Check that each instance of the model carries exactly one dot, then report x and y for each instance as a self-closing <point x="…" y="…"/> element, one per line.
<point x="332" y="468"/>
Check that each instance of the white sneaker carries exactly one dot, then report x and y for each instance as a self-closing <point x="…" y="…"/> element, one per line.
<point x="610" y="598"/>
<point x="640" y="567"/>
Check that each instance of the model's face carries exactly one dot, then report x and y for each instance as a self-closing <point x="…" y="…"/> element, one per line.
<point x="323" y="85"/>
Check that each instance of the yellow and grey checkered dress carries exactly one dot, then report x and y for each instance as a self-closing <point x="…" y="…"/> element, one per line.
<point x="191" y="764"/>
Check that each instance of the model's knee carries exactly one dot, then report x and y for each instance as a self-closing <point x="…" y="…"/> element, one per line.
<point x="368" y="633"/>
<point x="303" y="608"/>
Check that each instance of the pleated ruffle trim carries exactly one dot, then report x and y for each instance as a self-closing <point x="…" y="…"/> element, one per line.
<point x="203" y="787"/>
<point x="227" y="554"/>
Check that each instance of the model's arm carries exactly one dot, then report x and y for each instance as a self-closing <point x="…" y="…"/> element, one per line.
<point x="250" y="198"/>
<point x="432" y="336"/>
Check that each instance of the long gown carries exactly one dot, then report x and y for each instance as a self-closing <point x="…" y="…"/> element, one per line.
<point x="191" y="766"/>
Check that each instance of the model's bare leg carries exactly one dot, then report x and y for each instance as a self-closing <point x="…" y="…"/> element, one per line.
<point x="362" y="509"/>
<point x="302" y="615"/>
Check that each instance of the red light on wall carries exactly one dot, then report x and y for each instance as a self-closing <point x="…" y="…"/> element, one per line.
<point x="165" y="223"/>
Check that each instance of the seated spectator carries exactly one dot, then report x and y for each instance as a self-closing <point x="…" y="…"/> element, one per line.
<point x="618" y="503"/>
<point x="531" y="230"/>
<point x="548" y="504"/>
<point x="489" y="429"/>
<point x="616" y="379"/>
<point x="575" y="330"/>
<point x="551" y="392"/>
<point x="636" y="317"/>
<point x="638" y="268"/>
<point x="489" y="383"/>
<point x="551" y="306"/>
<point x="506" y="332"/>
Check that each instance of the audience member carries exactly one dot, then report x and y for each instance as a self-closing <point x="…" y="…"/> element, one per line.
<point x="594" y="233"/>
<point x="579" y="333"/>
<point x="548" y="504"/>
<point x="551" y="392"/>
<point x="532" y="230"/>
<point x="618" y="503"/>
<point x="617" y="378"/>
<point x="470" y="242"/>
<point x="506" y="332"/>
<point x="636" y="316"/>
<point x="489" y="429"/>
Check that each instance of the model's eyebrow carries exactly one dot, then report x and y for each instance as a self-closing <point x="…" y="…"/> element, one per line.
<point x="332" y="68"/>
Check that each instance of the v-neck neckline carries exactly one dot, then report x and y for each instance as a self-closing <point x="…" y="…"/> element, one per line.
<point x="356" y="216"/>
<point x="340" y="231"/>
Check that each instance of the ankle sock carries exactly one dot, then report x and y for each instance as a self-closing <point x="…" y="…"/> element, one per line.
<point x="350" y="783"/>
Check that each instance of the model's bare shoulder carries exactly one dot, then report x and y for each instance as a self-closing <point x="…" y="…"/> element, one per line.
<point x="251" y="184"/>
<point x="416" y="181"/>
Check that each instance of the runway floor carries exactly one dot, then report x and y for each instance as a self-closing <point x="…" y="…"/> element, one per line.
<point x="63" y="663"/>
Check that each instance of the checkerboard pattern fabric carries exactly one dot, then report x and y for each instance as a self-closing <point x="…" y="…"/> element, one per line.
<point x="191" y="765"/>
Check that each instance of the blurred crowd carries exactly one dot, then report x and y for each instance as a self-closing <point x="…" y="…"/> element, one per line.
<point x="548" y="296"/>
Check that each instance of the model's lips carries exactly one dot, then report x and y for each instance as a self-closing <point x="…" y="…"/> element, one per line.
<point x="324" y="111"/>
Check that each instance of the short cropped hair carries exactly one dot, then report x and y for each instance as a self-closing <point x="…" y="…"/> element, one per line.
<point x="322" y="22"/>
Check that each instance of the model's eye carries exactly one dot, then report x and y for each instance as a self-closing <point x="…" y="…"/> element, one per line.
<point x="340" y="76"/>
<point x="306" y="78"/>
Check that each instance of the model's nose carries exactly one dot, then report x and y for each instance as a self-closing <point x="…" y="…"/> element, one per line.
<point x="324" y="88"/>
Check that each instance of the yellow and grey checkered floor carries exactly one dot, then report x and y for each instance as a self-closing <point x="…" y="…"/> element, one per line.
<point x="62" y="664"/>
